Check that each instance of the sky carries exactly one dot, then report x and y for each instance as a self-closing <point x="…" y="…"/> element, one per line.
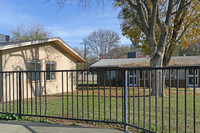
<point x="70" y="23"/>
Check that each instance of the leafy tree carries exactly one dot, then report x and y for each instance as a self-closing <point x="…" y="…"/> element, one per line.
<point x="191" y="50"/>
<point x="29" y="32"/>
<point x="162" y="24"/>
<point x="100" y="43"/>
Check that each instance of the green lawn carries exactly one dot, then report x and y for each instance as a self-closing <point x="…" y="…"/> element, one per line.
<point x="137" y="111"/>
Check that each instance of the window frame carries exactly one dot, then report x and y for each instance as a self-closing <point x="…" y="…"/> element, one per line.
<point x="50" y="73"/>
<point x="35" y="69"/>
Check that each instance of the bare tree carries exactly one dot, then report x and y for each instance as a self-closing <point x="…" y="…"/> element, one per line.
<point x="29" y="32"/>
<point x="101" y="42"/>
<point x="120" y="51"/>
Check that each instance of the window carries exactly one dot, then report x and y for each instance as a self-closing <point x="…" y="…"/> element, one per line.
<point x="111" y="75"/>
<point x="173" y="74"/>
<point x="34" y="66"/>
<point x="50" y="66"/>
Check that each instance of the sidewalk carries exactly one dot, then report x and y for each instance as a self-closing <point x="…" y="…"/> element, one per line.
<point x="39" y="127"/>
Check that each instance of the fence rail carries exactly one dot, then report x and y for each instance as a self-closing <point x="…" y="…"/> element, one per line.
<point x="149" y="99"/>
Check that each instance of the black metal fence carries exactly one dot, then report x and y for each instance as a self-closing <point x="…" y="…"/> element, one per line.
<point x="148" y="99"/>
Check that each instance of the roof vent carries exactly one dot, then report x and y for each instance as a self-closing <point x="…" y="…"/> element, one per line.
<point x="4" y="38"/>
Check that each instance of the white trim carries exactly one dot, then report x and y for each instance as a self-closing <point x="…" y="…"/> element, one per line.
<point x="135" y="79"/>
<point x="196" y="76"/>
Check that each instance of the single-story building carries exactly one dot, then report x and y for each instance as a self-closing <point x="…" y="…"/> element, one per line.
<point x="109" y="77"/>
<point x="36" y="55"/>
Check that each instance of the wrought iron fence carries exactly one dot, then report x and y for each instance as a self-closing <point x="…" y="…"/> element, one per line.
<point x="149" y="99"/>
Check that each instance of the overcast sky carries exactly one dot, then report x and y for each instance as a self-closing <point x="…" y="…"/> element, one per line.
<point x="70" y="23"/>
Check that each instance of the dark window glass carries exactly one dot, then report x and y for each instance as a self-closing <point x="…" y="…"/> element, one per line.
<point x="34" y="66"/>
<point x="50" y="66"/>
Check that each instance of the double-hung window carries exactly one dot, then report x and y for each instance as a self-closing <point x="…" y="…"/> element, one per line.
<point x="34" y="65"/>
<point x="50" y="66"/>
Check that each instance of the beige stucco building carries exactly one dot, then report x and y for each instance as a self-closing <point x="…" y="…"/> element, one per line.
<point x="36" y="55"/>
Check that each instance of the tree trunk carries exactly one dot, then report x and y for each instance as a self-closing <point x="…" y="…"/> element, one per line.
<point x="157" y="76"/>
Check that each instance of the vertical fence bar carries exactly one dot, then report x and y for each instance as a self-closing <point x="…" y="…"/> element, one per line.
<point x="110" y="93"/>
<point x="35" y="94"/>
<point x="162" y="101"/>
<point x="122" y="73"/>
<point x="144" y="99"/>
<point x="13" y="92"/>
<point x="116" y="95"/>
<point x="169" y="100"/>
<point x="125" y="102"/>
<point x="104" y="97"/>
<point x="17" y="87"/>
<point x="186" y="100"/>
<point x="77" y="93"/>
<point x="67" y="78"/>
<point x="88" y="111"/>
<point x="9" y="94"/>
<point x="40" y="94"/>
<point x="98" y="80"/>
<point x="62" y="96"/>
<point x="31" y="92"/>
<point x="26" y="91"/>
<point x="93" y="91"/>
<point x="138" y="98"/>
<point x="177" y="86"/>
<point x="72" y="94"/>
<point x="82" y="95"/>
<point x="6" y="92"/>
<point x="149" y="99"/>
<point x="133" y="97"/>
<point x="20" y="96"/>
<point x="3" y="93"/>
<point x="45" y="93"/>
<point x="129" y="105"/>
<point x="194" y="101"/>
<point x="156" y="102"/>
<point x="23" y="90"/>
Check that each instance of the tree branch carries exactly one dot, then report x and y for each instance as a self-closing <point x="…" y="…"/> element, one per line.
<point x="153" y="18"/>
<point x="140" y="12"/>
<point x="132" y="4"/>
<point x="180" y="9"/>
<point x="169" y="12"/>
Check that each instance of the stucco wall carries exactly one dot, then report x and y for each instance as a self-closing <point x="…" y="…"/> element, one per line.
<point x="17" y="59"/>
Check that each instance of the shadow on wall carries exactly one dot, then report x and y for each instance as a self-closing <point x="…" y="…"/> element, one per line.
<point x="18" y="60"/>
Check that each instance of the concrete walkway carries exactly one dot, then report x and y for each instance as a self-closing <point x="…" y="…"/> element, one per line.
<point x="39" y="127"/>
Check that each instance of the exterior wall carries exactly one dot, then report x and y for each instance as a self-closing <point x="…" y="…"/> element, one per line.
<point x="102" y="79"/>
<point x="17" y="59"/>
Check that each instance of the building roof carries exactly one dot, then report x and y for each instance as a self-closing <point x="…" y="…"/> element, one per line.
<point x="57" y="41"/>
<point x="145" y="62"/>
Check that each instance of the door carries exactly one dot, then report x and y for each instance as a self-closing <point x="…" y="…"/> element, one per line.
<point x="191" y="77"/>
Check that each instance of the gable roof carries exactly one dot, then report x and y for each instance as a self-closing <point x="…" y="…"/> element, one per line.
<point x="57" y="40"/>
<point x="145" y="62"/>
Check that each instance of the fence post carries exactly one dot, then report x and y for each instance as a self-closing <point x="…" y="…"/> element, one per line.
<point x="125" y="102"/>
<point x="20" y="96"/>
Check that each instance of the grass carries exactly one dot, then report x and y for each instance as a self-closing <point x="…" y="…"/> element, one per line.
<point x="80" y="105"/>
<point x="85" y="82"/>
